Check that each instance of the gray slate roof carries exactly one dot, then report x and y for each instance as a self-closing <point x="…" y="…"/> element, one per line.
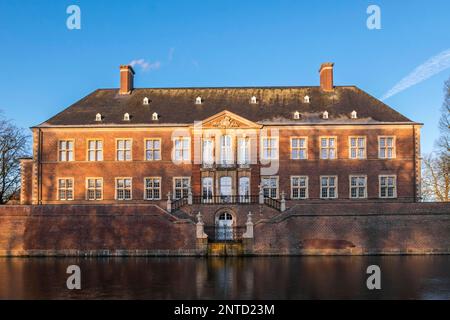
<point x="275" y="105"/>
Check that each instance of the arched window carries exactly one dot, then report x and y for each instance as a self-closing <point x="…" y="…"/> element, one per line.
<point x="296" y="115"/>
<point x="126" y="117"/>
<point x="154" y="116"/>
<point x="253" y="100"/>
<point x="354" y="115"/>
<point x="145" y="101"/>
<point x="98" y="117"/>
<point x="306" y="99"/>
<point x="198" y="100"/>
<point x="325" y="115"/>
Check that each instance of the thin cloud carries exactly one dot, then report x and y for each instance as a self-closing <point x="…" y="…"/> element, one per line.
<point x="429" y="68"/>
<point x="145" y="65"/>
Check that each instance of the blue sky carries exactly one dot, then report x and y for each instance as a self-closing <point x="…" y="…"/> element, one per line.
<point x="46" y="66"/>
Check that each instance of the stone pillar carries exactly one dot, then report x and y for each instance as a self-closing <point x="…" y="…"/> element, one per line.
<point x="249" y="224"/>
<point x="169" y="203"/>
<point x="190" y="196"/>
<point x="283" y="202"/>
<point x="261" y="195"/>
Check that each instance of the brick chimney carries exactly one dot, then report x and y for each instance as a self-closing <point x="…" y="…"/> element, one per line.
<point x="326" y="76"/>
<point x="126" y="79"/>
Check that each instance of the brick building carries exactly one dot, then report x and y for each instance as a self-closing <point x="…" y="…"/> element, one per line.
<point x="224" y="145"/>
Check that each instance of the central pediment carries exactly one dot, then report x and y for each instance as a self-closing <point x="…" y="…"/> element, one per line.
<point x="228" y="120"/>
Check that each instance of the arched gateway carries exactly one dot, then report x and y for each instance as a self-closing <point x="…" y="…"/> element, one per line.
<point x="224" y="226"/>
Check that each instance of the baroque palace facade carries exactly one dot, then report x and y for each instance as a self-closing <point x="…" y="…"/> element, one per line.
<point x="224" y="145"/>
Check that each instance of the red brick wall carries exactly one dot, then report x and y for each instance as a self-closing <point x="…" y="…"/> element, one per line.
<point x="356" y="229"/>
<point x="77" y="228"/>
<point x="304" y="229"/>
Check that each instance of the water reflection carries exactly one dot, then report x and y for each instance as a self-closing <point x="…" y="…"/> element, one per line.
<point x="403" y="277"/>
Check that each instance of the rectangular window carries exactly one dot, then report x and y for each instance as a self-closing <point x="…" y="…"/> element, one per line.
<point x="270" y="187"/>
<point x="243" y="150"/>
<point x="386" y="147"/>
<point x="152" y="188"/>
<point x="226" y="150"/>
<point x="152" y="149"/>
<point x="94" y="190"/>
<point x="328" y="187"/>
<point x="95" y="150"/>
<point x="181" y="187"/>
<point x="328" y="149"/>
<point x="65" y="150"/>
<point x="388" y="186"/>
<point x="207" y="190"/>
<point x="270" y="148"/>
<point x="124" y="149"/>
<point x="123" y="189"/>
<point x="299" y="187"/>
<point x="357" y="147"/>
<point x="358" y="187"/>
<point x="65" y="189"/>
<point x="299" y="149"/>
<point x="182" y="149"/>
<point x="208" y="151"/>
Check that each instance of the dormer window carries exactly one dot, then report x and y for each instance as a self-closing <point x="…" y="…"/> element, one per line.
<point x="154" y="116"/>
<point x="296" y="115"/>
<point x="253" y="100"/>
<point x="126" y="117"/>
<point x="145" y="101"/>
<point x="98" y="117"/>
<point x="198" y="100"/>
<point x="354" y="115"/>
<point x="306" y="99"/>
<point x="325" y="115"/>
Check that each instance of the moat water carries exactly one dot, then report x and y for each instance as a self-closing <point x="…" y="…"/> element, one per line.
<point x="402" y="277"/>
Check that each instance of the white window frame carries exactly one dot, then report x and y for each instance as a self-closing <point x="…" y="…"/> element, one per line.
<point x="269" y="149"/>
<point x="306" y="187"/>
<point x="328" y="148"/>
<point x="244" y="197"/>
<point x="184" y="193"/>
<point x="152" y="188"/>
<point x="298" y="148"/>
<point x="96" y="150"/>
<point x="66" y="150"/>
<point x="152" y="149"/>
<point x="226" y="149"/>
<point x="116" y="189"/>
<point x="72" y="189"/>
<point x="380" y="186"/>
<point x="124" y="150"/>
<point x="386" y="148"/>
<point x="243" y="149"/>
<point x="277" y="185"/>
<point x="210" y="190"/>
<point x="94" y="189"/>
<point x="208" y="152"/>
<point x="357" y="148"/>
<point x="185" y="153"/>
<point x="336" y="194"/>
<point x="350" y="187"/>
